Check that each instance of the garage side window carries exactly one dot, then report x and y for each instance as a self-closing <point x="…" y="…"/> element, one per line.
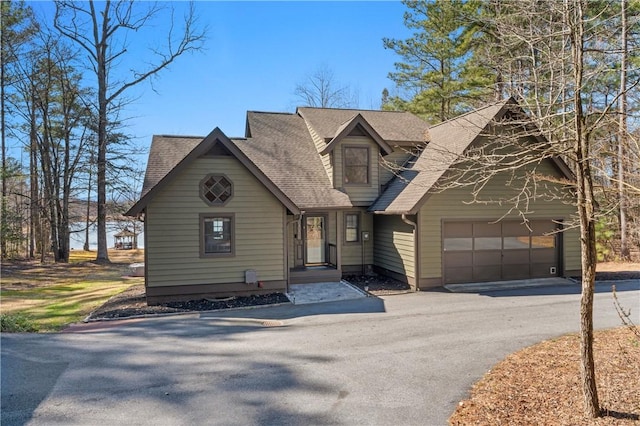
<point x="457" y="244"/>
<point x="216" y="235"/>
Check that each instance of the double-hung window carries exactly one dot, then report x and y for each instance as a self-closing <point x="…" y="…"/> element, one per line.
<point x="352" y="227"/>
<point x="216" y="235"/>
<point x="356" y="165"/>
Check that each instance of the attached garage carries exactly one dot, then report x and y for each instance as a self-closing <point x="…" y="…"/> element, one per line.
<point x="477" y="251"/>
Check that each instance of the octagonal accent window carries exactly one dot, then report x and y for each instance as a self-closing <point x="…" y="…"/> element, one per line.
<point x="216" y="189"/>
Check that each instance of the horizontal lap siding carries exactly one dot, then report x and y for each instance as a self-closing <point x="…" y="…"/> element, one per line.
<point x="352" y="252"/>
<point x="173" y="229"/>
<point x="450" y="205"/>
<point x="360" y="195"/>
<point x="394" y="245"/>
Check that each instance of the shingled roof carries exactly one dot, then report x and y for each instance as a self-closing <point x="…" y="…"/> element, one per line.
<point x="165" y="153"/>
<point x="282" y="148"/>
<point x="449" y="140"/>
<point x="392" y="126"/>
<point x="281" y="153"/>
<point x="171" y="154"/>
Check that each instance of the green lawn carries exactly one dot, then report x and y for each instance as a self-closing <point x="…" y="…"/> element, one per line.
<point x="48" y="297"/>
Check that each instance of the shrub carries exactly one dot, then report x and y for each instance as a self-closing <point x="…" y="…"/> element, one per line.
<point x="17" y="323"/>
<point x="605" y="232"/>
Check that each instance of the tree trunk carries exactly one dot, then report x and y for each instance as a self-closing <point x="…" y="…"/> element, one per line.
<point x="3" y="206"/>
<point x="586" y="207"/>
<point x="88" y="212"/>
<point x="34" y="214"/>
<point x="622" y="133"/>
<point x="103" y="254"/>
<point x="101" y="178"/>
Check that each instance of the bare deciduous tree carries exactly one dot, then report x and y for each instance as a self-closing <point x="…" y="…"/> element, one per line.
<point x="552" y="58"/>
<point x="320" y="90"/>
<point x="103" y="35"/>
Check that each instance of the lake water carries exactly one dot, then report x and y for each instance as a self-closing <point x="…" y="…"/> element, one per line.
<point x="76" y="240"/>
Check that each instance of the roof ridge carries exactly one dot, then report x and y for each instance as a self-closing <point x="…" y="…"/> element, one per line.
<point x="271" y="112"/>
<point x="351" y="109"/>
<point x="504" y="101"/>
<point x="180" y="136"/>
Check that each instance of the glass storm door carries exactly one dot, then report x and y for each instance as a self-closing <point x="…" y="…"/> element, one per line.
<point x="315" y="239"/>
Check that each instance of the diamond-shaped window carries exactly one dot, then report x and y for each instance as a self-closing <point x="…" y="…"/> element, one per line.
<point x="216" y="189"/>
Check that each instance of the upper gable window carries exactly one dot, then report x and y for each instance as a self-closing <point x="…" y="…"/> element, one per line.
<point x="356" y="165"/>
<point x="216" y="189"/>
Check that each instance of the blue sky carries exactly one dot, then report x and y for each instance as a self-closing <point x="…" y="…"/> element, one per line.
<point x="255" y="55"/>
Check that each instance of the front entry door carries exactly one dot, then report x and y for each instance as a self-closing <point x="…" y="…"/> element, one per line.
<point x="315" y="237"/>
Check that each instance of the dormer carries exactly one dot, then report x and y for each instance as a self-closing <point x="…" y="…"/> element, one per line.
<point x="356" y="146"/>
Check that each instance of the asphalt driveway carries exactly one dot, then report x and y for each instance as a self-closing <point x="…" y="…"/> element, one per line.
<point x="403" y="360"/>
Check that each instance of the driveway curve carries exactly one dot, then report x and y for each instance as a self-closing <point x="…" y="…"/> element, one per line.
<point x="403" y="360"/>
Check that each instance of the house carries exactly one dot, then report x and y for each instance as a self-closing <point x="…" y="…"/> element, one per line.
<point x="312" y="195"/>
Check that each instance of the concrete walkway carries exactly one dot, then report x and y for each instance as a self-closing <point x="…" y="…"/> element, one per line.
<point x="508" y="285"/>
<point x="302" y="294"/>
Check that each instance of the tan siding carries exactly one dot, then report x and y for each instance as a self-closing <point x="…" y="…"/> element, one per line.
<point x="450" y="205"/>
<point x="320" y="145"/>
<point x="572" y="259"/>
<point x="394" y="245"/>
<point x="352" y="252"/>
<point x="173" y="240"/>
<point x="360" y="195"/>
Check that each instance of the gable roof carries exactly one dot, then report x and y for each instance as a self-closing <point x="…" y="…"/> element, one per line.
<point x="169" y="155"/>
<point x="283" y="149"/>
<point x="348" y="126"/>
<point x="395" y="126"/>
<point x="280" y="152"/>
<point x="407" y="192"/>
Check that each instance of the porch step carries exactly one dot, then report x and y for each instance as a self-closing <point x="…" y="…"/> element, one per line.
<point x="314" y="275"/>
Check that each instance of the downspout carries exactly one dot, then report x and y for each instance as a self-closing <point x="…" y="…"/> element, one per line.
<point x="416" y="257"/>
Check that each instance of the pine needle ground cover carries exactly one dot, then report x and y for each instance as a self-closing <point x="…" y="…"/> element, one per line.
<point x="46" y="297"/>
<point x="540" y="385"/>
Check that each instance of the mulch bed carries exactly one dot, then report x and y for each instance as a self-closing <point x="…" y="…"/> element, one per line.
<point x="132" y="302"/>
<point x="618" y="275"/>
<point x="378" y="285"/>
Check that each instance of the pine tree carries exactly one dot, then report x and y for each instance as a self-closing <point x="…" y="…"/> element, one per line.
<point x="438" y="79"/>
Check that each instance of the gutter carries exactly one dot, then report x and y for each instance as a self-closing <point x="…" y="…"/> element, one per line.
<point x="416" y="251"/>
